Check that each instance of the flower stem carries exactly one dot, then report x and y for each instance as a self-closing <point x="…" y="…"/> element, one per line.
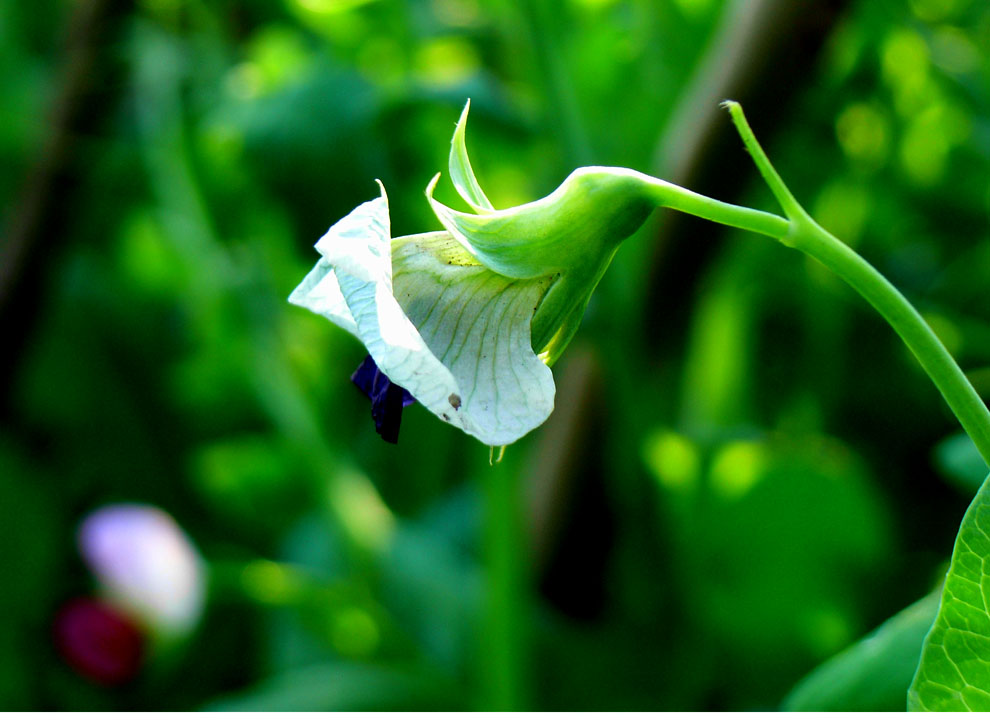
<point x="504" y="626"/>
<point x="958" y="392"/>
<point x="803" y="233"/>
<point x="672" y="196"/>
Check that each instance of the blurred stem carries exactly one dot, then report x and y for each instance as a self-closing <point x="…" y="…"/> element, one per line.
<point x="806" y="235"/>
<point x="36" y="228"/>
<point x="503" y="632"/>
<point x="215" y="282"/>
<point x="732" y="58"/>
<point x="542" y="18"/>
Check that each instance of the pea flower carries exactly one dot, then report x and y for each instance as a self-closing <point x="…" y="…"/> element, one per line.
<point x="146" y="565"/>
<point x="468" y="320"/>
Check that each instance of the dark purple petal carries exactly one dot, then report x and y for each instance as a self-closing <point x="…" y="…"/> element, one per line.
<point x="366" y="375"/>
<point x="98" y="641"/>
<point x="387" y="398"/>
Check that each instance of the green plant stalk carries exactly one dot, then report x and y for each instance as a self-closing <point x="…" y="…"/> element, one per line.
<point x="958" y="392"/>
<point x="503" y="640"/>
<point x="800" y="231"/>
<point x="672" y="196"/>
<point x="502" y="646"/>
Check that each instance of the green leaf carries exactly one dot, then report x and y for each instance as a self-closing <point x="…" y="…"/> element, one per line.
<point x="954" y="673"/>
<point x="873" y="674"/>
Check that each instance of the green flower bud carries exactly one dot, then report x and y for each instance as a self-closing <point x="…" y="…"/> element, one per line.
<point x="570" y="236"/>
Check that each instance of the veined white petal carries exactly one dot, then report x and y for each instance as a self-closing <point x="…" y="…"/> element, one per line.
<point x="319" y="292"/>
<point x="478" y="324"/>
<point x="451" y="332"/>
<point x="358" y="243"/>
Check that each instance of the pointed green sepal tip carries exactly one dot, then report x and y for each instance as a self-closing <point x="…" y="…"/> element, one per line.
<point x="461" y="172"/>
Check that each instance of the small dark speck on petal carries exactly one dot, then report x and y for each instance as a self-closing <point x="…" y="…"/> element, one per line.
<point x="455" y="401"/>
<point x="445" y="416"/>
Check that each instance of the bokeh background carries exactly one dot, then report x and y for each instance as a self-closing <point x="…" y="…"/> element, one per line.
<point x="745" y="472"/>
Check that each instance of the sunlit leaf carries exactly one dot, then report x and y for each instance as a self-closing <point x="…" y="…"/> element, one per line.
<point x="872" y="675"/>
<point x="954" y="673"/>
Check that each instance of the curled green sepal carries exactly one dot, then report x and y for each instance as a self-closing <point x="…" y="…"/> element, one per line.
<point x="436" y="322"/>
<point x="461" y="172"/>
<point x="568" y="236"/>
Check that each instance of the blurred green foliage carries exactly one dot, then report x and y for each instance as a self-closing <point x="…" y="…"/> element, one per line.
<point x="756" y="478"/>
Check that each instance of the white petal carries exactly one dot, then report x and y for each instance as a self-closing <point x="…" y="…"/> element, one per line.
<point x="478" y="324"/>
<point x="319" y="292"/>
<point x="358" y="244"/>
<point x="147" y="563"/>
<point x="472" y="365"/>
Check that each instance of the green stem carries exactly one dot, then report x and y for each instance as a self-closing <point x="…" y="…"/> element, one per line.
<point x="503" y="629"/>
<point x="677" y="198"/>
<point x="958" y="392"/>
<point x="792" y="208"/>
<point x="805" y="234"/>
<point x="545" y="35"/>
